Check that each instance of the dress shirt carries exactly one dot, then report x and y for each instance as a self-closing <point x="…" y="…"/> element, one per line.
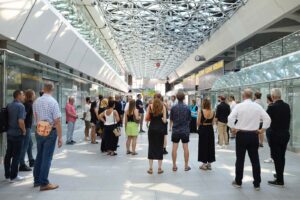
<point x="46" y="108"/>
<point x="247" y="116"/>
<point x="70" y="110"/>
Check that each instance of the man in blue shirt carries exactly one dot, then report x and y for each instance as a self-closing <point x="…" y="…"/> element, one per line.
<point x="15" y="136"/>
<point x="180" y="118"/>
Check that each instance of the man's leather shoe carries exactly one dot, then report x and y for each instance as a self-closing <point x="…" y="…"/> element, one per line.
<point x="24" y="168"/>
<point x="48" y="187"/>
<point x="31" y="163"/>
<point x="276" y="183"/>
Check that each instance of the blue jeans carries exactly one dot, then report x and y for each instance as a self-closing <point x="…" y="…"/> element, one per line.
<point x="70" y="131"/>
<point x="45" y="150"/>
<point x="25" y="146"/>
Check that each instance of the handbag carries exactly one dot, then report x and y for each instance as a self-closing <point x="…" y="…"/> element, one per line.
<point x="43" y="128"/>
<point x="117" y="130"/>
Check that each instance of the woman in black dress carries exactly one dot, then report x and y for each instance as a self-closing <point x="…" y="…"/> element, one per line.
<point x="157" y="116"/>
<point x="206" y="147"/>
<point x="100" y="129"/>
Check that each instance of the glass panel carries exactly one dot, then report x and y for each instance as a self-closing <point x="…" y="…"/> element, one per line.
<point x="252" y="58"/>
<point x="291" y="43"/>
<point x="295" y="126"/>
<point x="272" y="50"/>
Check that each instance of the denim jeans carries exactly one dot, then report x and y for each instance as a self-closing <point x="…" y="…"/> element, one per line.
<point x="45" y="150"/>
<point x="29" y="150"/>
<point x="70" y="131"/>
<point x="25" y="146"/>
<point x="12" y="156"/>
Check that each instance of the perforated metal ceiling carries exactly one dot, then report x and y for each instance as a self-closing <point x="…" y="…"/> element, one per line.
<point x="163" y="31"/>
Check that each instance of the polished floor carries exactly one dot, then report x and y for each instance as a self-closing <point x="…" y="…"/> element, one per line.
<point x="84" y="173"/>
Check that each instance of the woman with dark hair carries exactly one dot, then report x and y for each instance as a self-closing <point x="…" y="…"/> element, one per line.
<point x="131" y="127"/>
<point x="94" y="121"/>
<point x="206" y="145"/>
<point x="158" y="118"/>
<point x="110" y="118"/>
<point x="27" y="144"/>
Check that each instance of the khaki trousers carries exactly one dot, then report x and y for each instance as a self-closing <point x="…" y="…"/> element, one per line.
<point x="222" y="130"/>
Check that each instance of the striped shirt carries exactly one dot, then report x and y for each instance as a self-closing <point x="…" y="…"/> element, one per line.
<point x="46" y="108"/>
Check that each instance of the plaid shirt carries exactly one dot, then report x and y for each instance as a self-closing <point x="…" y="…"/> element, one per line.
<point x="46" y="108"/>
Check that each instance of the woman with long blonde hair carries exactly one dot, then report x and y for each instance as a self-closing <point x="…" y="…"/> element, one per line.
<point x="158" y="118"/>
<point x="131" y="127"/>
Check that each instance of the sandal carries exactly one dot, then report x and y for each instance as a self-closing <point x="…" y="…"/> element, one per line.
<point x="128" y="152"/>
<point x="203" y="167"/>
<point x="188" y="168"/>
<point x="160" y="171"/>
<point x="150" y="171"/>
<point x="134" y="153"/>
<point x="174" y="169"/>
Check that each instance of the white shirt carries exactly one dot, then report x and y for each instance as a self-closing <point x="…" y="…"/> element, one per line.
<point x="232" y="105"/>
<point x="126" y="107"/>
<point x="109" y="119"/>
<point x="248" y="115"/>
<point x="87" y="108"/>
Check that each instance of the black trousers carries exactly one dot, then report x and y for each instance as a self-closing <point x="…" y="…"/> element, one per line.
<point x="12" y="156"/>
<point x="247" y="141"/>
<point x="278" y="145"/>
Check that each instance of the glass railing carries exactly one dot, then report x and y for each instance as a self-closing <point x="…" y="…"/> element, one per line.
<point x="283" y="46"/>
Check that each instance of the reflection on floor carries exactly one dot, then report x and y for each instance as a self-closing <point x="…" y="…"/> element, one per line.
<point x="84" y="173"/>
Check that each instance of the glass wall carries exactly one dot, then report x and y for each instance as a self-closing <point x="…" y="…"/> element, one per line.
<point x="18" y="72"/>
<point x="290" y="94"/>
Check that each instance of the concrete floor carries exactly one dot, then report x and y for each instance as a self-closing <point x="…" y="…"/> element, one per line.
<point x="82" y="172"/>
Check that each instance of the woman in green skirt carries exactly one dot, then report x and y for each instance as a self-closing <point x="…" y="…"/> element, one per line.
<point x="132" y="119"/>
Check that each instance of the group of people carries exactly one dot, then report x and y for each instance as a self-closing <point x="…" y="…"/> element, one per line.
<point x="247" y="121"/>
<point x="22" y="111"/>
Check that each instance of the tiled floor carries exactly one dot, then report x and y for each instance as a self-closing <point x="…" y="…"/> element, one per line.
<point x="84" y="173"/>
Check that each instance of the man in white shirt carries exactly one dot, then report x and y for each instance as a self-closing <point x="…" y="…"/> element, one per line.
<point x="244" y="120"/>
<point x="87" y="117"/>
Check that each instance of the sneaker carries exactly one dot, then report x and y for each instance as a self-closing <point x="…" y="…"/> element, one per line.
<point x="257" y="188"/>
<point x="276" y="183"/>
<point x="234" y="184"/>
<point x="269" y="160"/>
<point x="48" y="187"/>
<point x="69" y="143"/>
<point x="24" y="168"/>
<point x="31" y="163"/>
<point x="17" y="179"/>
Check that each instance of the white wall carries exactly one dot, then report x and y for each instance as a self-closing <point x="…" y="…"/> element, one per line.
<point x="37" y="25"/>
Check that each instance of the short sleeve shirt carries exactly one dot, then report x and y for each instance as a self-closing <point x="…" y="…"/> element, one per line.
<point x="46" y="108"/>
<point x="16" y="111"/>
<point x="139" y="103"/>
<point x="181" y="117"/>
<point x="87" y="109"/>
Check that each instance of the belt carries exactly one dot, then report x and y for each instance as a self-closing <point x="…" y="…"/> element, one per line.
<point x="205" y="124"/>
<point x="247" y="131"/>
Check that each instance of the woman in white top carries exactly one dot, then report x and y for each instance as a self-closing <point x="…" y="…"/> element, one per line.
<point x="110" y="118"/>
